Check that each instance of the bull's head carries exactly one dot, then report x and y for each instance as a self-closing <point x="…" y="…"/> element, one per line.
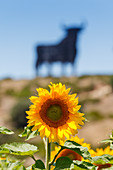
<point x="75" y="29"/>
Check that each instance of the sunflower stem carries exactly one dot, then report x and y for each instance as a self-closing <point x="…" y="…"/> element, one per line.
<point x="33" y="158"/>
<point x="51" y="163"/>
<point x="48" y="153"/>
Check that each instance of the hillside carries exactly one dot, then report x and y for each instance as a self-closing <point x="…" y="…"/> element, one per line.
<point x="95" y="95"/>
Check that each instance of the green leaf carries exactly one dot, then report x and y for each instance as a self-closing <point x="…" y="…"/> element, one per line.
<point x="18" y="148"/>
<point x="28" y="133"/>
<point x="110" y="141"/>
<point x="29" y="168"/>
<point x="103" y="159"/>
<point x="62" y="163"/>
<point x="10" y="164"/>
<point x="4" y="130"/>
<point x="83" y="151"/>
<point x="110" y="168"/>
<point x="39" y="164"/>
<point x="106" y="141"/>
<point x="16" y="166"/>
<point x="84" y="165"/>
<point x="111" y="145"/>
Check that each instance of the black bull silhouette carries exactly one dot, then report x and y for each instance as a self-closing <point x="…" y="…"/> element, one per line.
<point x="65" y="51"/>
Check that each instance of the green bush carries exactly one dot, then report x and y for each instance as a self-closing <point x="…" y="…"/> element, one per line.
<point x="18" y="113"/>
<point x="93" y="101"/>
<point x="26" y="92"/>
<point x="10" y="92"/>
<point x="111" y="82"/>
<point x="94" y="116"/>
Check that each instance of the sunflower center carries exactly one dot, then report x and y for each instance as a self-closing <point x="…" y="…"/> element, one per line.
<point x="54" y="112"/>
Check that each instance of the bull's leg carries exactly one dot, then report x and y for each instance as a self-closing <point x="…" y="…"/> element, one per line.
<point x="74" y="69"/>
<point x="50" y="70"/>
<point x="68" y="69"/>
<point x="38" y="70"/>
<point x="63" y="69"/>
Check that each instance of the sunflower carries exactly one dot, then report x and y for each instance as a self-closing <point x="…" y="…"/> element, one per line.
<point x="101" y="151"/>
<point x="55" y="114"/>
<point x="3" y="158"/>
<point x="70" y="153"/>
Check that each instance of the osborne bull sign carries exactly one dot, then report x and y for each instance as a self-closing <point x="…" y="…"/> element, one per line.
<point x="65" y="51"/>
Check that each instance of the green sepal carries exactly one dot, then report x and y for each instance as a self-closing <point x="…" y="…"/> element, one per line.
<point x="18" y="148"/>
<point x="62" y="163"/>
<point x="82" y="165"/>
<point x="38" y="164"/>
<point x="4" y="130"/>
<point x="28" y="133"/>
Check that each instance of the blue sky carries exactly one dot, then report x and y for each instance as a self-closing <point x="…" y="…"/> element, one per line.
<point x="25" y="24"/>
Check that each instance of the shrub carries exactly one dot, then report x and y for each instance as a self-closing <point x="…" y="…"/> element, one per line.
<point x="18" y="113"/>
<point x="10" y="92"/>
<point x="111" y="82"/>
<point x="94" y="116"/>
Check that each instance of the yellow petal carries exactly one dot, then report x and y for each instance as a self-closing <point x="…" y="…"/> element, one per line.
<point x="34" y="128"/>
<point x="60" y="132"/>
<point x="33" y="99"/>
<point x="66" y="135"/>
<point x="41" y="128"/>
<point x="72" y="125"/>
<point x="47" y="132"/>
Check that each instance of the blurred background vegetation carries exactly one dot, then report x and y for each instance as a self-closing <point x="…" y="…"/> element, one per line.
<point x="95" y="96"/>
